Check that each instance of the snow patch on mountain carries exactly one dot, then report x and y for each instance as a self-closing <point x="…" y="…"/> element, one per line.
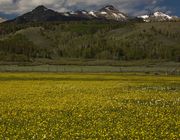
<point x="92" y="13"/>
<point x="157" y="16"/>
<point x="123" y="16"/>
<point x="145" y="18"/>
<point x="103" y="13"/>
<point x="111" y="13"/>
<point x="73" y="13"/>
<point x="160" y="14"/>
<point x="84" y="12"/>
<point x="66" y="14"/>
<point x="2" y="20"/>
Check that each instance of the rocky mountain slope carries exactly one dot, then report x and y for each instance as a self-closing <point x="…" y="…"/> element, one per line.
<point x="158" y="16"/>
<point x="109" y="12"/>
<point x="41" y="14"/>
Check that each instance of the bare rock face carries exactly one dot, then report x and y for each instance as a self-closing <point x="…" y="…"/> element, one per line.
<point x="109" y="12"/>
<point x="39" y="14"/>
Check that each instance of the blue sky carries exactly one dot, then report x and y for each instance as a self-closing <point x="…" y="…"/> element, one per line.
<point x="172" y="5"/>
<point x="12" y="8"/>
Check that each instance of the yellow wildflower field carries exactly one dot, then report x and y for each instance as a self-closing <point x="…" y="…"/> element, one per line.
<point x="89" y="106"/>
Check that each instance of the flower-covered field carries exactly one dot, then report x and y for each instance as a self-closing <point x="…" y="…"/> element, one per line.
<point x="89" y="106"/>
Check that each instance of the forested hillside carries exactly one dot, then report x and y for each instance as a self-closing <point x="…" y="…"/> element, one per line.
<point x="101" y="40"/>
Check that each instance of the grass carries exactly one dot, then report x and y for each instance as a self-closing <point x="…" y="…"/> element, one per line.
<point x="165" y="68"/>
<point x="89" y="106"/>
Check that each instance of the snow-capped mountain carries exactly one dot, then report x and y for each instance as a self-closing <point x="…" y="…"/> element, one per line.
<point x="42" y="14"/>
<point x="93" y="13"/>
<point x="109" y="12"/>
<point x="80" y="14"/>
<point x="157" y="16"/>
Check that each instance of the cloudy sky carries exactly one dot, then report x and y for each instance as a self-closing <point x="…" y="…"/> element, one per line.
<point x="11" y="8"/>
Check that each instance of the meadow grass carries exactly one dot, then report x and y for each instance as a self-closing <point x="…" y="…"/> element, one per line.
<point x="89" y="106"/>
<point x="160" y="69"/>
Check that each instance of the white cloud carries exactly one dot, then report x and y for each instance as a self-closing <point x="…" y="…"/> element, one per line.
<point x="22" y="6"/>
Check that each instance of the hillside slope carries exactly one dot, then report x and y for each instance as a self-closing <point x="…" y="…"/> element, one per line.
<point x="90" y="40"/>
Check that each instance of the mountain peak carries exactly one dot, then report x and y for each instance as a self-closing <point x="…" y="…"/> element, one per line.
<point x="109" y="8"/>
<point x="40" y="8"/>
<point x="161" y="14"/>
<point x="111" y="13"/>
<point x="157" y="16"/>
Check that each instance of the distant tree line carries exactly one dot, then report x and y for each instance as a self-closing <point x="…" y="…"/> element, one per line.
<point x="90" y="40"/>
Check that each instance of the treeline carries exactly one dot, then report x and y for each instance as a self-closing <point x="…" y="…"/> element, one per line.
<point x="7" y="28"/>
<point x="19" y="48"/>
<point x="91" y="40"/>
<point x="122" y="43"/>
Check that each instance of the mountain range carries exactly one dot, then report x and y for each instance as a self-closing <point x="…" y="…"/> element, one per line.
<point x="91" y="35"/>
<point x="158" y="16"/>
<point x="109" y="12"/>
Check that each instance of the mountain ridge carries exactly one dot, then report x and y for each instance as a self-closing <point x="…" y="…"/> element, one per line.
<point x="109" y="12"/>
<point x="158" y="16"/>
<point x="42" y="14"/>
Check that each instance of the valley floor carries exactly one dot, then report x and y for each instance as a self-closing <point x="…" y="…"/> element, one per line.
<point x="148" y="69"/>
<point x="94" y="66"/>
<point x="89" y="106"/>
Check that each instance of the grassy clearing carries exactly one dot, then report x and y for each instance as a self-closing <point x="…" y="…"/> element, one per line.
<point x="89" y="106"/>
<point x="161" y="69"/>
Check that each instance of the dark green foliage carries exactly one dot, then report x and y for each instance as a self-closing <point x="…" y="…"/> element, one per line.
<point x="91" y="40"/>
<point x="19" y="48"/>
